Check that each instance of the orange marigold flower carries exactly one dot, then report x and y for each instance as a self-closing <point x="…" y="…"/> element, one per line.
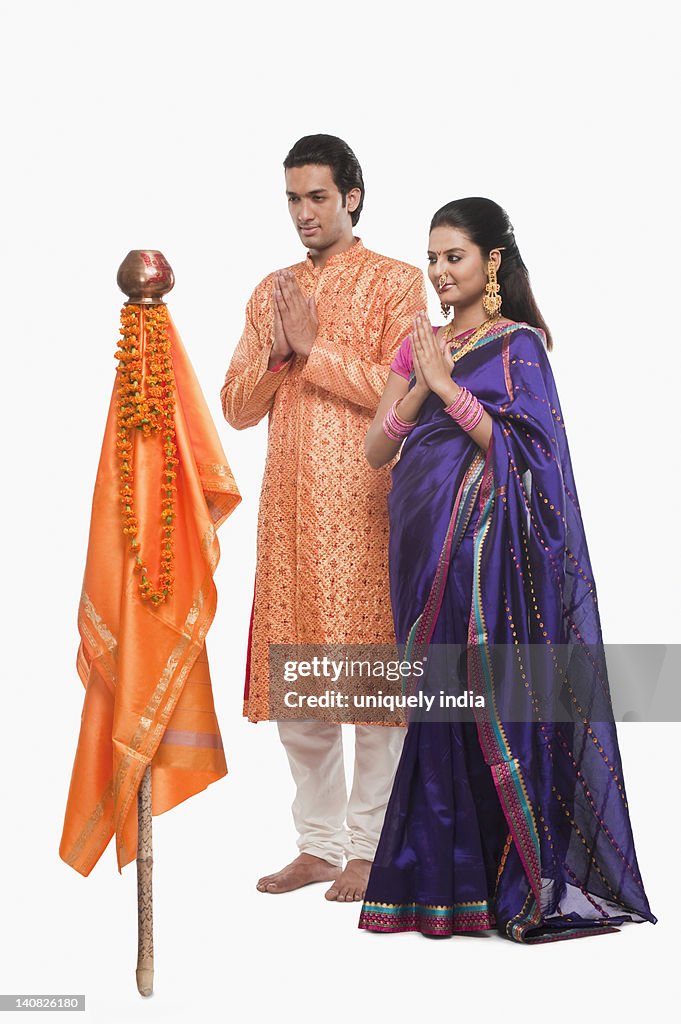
<point x="145" y="393"/>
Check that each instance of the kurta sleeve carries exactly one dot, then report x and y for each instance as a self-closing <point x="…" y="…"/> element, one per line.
<point x="403" y="363"/>
<point x="249" y="388"/>
<point x="334" y="365"/>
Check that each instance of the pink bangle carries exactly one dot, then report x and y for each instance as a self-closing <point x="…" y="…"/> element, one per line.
<point x="394" y="427"/>
<point x="465" y="410"/>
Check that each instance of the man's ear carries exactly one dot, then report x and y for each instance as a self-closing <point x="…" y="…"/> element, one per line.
<point x="352" y="199"/>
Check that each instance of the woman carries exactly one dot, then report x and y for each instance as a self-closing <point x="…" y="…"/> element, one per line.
<point x="517" y="819"/>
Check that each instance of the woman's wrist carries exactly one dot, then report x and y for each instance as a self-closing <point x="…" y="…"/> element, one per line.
<point x="449" y="392"/>
<point x="410" y="404"/>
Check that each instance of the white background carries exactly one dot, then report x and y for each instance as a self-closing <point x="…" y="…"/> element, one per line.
<point x="164" y="125"/>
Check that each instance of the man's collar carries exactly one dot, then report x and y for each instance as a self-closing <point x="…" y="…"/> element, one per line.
<point x="345" y="258"/>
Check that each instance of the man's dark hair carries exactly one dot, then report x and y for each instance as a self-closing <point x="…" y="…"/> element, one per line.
<point x="330" y="151"/>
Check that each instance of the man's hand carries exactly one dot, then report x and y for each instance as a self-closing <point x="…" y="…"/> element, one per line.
<point x="297" y="315"/>
<point x="281" y="350"/>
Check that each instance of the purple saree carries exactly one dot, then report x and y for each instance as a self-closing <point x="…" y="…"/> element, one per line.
<point x="508" y="822"/>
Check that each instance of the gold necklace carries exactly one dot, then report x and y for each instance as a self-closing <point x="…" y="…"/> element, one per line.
<point x="467" y="345"/>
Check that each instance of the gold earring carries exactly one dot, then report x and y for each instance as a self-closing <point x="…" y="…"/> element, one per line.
<point x="492" y="298"/>
<point x="445" y="309"/>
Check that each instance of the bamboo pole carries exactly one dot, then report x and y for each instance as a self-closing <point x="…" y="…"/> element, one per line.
<point x="145" y="901"/>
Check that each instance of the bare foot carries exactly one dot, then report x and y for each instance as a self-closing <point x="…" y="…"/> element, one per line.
<point x="352" y="884"/>
<point x="304" y="870"/>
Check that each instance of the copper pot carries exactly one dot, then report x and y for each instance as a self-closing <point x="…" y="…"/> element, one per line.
<point x="145" y="276"/>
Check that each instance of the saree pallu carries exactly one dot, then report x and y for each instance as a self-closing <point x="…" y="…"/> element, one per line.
<point x="513" y="821"/>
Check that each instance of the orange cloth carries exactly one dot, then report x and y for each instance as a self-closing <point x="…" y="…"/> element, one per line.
<point x="322" y="550"/>
<point x="148" y="696"/>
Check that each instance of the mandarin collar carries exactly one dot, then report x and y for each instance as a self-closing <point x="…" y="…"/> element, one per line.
<point x="345" y="258"/>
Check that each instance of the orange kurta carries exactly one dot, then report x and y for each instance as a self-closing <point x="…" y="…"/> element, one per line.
<point x="322" y="549"/>
<point x="148" y="697"/>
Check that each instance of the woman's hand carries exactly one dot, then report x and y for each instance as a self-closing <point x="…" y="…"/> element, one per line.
<point x="432" y="365"/>
<point x="420" y="387"/>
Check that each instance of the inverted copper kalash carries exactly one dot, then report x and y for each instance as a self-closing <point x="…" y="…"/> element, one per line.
<point x="145" y="276"/>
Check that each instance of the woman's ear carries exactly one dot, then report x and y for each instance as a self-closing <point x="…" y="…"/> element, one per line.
<point x="495" y="256"/>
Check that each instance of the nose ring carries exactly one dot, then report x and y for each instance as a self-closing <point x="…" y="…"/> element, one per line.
<point x="442" y="280"/>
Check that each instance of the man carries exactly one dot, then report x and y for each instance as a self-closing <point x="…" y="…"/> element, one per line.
<point x="315" y="355"/>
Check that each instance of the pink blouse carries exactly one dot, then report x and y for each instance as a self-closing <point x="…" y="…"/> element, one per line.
<point x="403" y="363"/>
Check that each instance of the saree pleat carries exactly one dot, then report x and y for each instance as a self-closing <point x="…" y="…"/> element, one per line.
<point x="518" y="821"/>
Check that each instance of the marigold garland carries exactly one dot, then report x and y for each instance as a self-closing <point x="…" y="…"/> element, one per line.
<point x="146" y="402"/>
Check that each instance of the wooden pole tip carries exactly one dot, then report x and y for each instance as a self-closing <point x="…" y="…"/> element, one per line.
<point x="145" y="980"/>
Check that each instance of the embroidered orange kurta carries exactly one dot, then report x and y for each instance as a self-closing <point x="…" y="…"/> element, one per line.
<point x="148" y="696"/>
<point x="322" y="547"/>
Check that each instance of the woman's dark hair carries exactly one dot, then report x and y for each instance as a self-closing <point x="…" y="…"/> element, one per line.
<point x="330" y="151"/>
<point x="487" y="225"/>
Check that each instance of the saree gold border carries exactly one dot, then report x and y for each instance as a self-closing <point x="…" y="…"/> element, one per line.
<point x="98" y="844"/>
<point x="105" y="634"/>
<point x="493" y="335"/>
<point x="103" y="646"/>
<point x="220" y="490"/>
<point x="525" y="919"/>
<point x="502" y="862"/>
<point x="141" y="733"/>
<point x="430" y="906"/>
<point x="89" y="827"/>
<point x="490" y="505"/>
<point x="144" y="743"/>
<point x="216" y="469"/>
<point x="482" y="635"/>
<point x="211" y="549"/>
<point x="466" y="498"/>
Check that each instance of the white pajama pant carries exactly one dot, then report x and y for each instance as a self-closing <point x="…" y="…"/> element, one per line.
<point x="329" y="824"/>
